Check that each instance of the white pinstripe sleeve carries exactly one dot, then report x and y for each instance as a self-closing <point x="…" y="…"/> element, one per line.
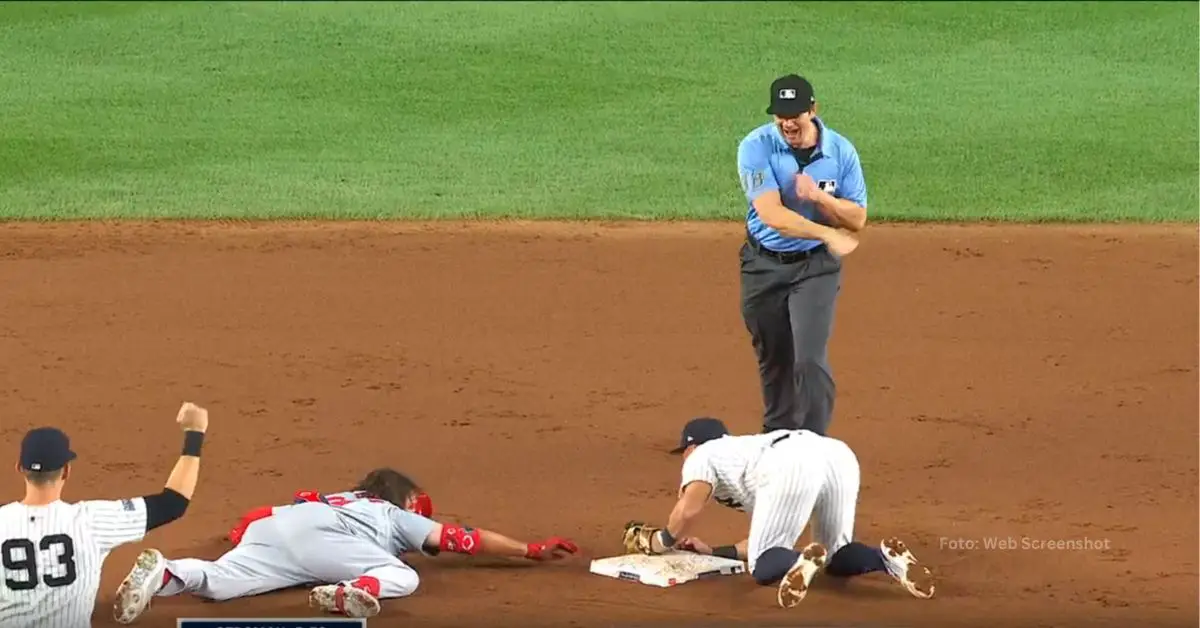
<point x="698" y="468"/>
<point x="117" y="522"/>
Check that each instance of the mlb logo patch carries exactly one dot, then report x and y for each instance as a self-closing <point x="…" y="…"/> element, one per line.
<point x="127" y="504"/>
<point x="828" y="186"/>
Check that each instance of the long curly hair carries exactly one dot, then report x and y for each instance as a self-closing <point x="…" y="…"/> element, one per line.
<point x="389" y="485"/>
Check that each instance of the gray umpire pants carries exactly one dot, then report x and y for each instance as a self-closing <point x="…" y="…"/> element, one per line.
<point x="788" y="306"/>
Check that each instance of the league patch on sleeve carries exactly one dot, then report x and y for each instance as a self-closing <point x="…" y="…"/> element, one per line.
<point x="127" y="504"/>
<point x="753" y="180"/>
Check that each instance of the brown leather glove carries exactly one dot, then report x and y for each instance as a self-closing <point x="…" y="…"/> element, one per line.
<point x="637" y="537"/>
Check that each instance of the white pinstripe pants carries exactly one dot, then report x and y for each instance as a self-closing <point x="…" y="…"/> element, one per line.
<point x="804" y="477"/>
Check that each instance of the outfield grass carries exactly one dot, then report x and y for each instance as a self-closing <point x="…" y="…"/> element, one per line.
<point x="1035" y="111"/>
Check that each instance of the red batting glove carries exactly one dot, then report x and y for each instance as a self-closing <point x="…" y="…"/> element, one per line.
<point x="262" y="512"/>
<point x="553" y="548"/>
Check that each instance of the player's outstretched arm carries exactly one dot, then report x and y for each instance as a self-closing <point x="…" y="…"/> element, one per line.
<point x="474" y="541"/>
<point x="173" y="501"/>
<point x="117" y="522"/>
<point x="641" y="538"/>
<point x="690" y="503"/>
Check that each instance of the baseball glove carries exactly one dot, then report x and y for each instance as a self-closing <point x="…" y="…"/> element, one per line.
<point x="637" y="538"/>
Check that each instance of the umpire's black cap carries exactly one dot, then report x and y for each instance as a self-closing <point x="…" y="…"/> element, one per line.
<point x="45" y="449"/>
<point x="791" y="96"/>
<point x="700" y="431"/>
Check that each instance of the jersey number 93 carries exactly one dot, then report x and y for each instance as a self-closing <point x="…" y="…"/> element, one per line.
<point x="20" y="556"/>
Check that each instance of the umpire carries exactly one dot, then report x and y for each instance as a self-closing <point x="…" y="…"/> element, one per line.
<point x="805" y="189"/>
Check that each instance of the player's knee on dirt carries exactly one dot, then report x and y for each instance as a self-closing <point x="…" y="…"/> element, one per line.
<point x="391" y="582"/>
<point x="855" y="559"/>
<point x="773" y="564"/>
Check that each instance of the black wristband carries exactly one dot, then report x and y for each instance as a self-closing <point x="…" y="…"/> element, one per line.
<point x="726" y="551"/>
<point x="668" y="541"/>
<point x="192" y="442"/>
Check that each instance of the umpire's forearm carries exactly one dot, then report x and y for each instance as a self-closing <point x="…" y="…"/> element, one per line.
<point x="846" y="214"/>
<point x="793" y="225"/>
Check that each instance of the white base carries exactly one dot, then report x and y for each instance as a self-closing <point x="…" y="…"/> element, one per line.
<point x="666" y="570"/>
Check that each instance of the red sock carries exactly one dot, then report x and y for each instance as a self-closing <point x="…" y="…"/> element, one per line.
<point x="368" y="584"/>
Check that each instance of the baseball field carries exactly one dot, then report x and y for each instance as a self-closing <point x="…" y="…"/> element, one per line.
<point x="495" y="245"/>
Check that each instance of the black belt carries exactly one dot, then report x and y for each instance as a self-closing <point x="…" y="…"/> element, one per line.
<point x="783" y="257"/>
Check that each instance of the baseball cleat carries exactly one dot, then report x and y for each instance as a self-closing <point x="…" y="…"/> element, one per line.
<point x="903" y="566"/>
<point x="344" y="600"/>
<point x="139" y="587"/>
<point x="794" y="585"/>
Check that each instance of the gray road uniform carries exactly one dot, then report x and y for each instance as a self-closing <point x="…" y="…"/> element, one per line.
<point x="311" y="543"/>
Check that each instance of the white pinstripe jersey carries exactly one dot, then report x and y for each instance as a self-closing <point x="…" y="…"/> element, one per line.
<point x="52" y="556"/>
<point x="729" y="465"/>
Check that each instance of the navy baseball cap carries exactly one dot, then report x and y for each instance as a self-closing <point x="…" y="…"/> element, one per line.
<point x="791" y="96"/>
<point x="45" y="449"/>
<point x="700" y="431"/>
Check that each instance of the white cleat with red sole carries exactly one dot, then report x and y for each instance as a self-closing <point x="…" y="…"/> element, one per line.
<point x="138" y="588"/>
<point x="344" y="600"/>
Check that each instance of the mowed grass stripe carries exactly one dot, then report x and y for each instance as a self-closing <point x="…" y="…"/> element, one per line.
<point x="1014" y="111"/>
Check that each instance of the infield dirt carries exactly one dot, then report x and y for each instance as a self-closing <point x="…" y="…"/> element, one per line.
<point x="1032" y="384"/>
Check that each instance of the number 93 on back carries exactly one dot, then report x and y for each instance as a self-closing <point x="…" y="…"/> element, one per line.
<point x="234" y="622"/>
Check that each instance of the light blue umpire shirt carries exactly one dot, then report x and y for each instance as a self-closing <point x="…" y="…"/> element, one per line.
<point x="766" y="162"/>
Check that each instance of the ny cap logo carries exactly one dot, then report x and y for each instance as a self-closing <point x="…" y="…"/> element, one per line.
<point x="787" y="94"/>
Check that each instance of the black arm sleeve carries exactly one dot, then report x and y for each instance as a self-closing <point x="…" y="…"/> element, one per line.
<point x="164" y="508"/>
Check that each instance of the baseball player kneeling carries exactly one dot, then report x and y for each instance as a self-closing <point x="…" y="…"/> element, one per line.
<point x="347" y="544"/>
<point x="782" y="479"/>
